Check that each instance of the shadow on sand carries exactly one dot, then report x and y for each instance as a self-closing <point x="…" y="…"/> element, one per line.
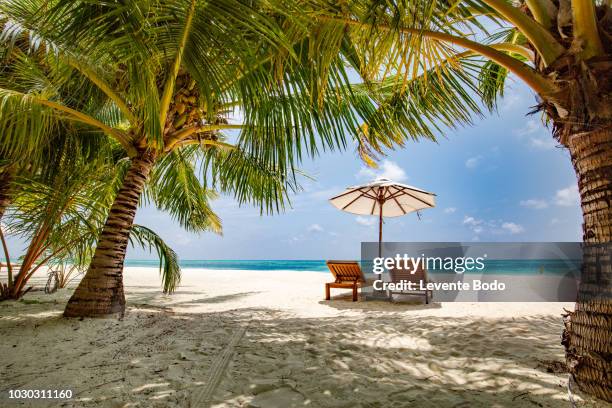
<point x="344" y="302"/>
<point x="166" y="359"/>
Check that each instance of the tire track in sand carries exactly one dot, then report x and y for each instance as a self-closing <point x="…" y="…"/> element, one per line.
<point x="203" y="397"/>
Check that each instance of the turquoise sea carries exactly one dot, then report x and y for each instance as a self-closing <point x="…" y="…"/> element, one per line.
<point x="246" y="264"/>
<point x="494" y="266"/>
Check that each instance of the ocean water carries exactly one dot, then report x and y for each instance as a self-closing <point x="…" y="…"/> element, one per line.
<point x="493" y="266"/>
<point x="244" y="264"/>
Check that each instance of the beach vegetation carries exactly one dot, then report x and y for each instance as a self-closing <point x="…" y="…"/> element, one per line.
<point x="60" y="214"/>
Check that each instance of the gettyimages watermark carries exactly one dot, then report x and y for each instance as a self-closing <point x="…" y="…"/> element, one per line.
<point x="474" y="272"/>
<point x="412" y="265"/>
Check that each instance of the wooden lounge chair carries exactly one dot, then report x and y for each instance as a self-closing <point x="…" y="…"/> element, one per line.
<point x="397" y="275"/>
<point x="347" y="275"/>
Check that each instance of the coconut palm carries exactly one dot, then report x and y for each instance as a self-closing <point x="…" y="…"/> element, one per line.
<point x="54" y="213"/>
<point x="128" y="86"/>
<point x="60" y="184"/>
<point x="561" y="49"/>
<point x="33" y="153"/>
<point x="162" y="78"/>
<point x="61" y="214"/>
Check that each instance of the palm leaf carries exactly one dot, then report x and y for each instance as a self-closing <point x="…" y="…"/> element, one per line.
<point x="247" y="178"/>
<point x="168" y="260"/>
<point x="175" y="188"/>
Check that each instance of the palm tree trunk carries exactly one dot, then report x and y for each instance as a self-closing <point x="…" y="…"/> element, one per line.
<point x="588" y="330"/>
<point x="100" y="292"/>
<point x="32" y="254"/>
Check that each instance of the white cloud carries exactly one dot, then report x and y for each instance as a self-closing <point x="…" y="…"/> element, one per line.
<point x="471" y="221"/>
<point x="513" y="228"/>
<point x="535" y="203"/>
<point x="449" y="210"/>
<point x="315" y="228"/>
<point x="368" y="222"/>
<point x="478" y="226"/>
<point x="535" y="134"/>
<point x="543" y="143"/>
<point x="387" y="169"/>
<point x="366" y="173"/>
<point x="474" y="224"/>
<point x="473" y="162"/>
<point x="532" y="126"/>
<point x="392" y="171"/>
<point x="567" y="197"/>
<point x="554" y="221"/>
<point x="509" y="101"/>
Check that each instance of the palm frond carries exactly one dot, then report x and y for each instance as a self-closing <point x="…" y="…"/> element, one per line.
<point x="174" y="187"/>
<point x="491" y="83"/>
<point x="492" y="77"/>
<point x="248" y="179"/>
<point x="429" y="102"/>
<point x="168" y="260"/>
<point x="23" y="124"/>
<point x="62" y="209"/>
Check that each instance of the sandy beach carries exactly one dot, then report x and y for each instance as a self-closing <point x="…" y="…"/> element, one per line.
<point x="267" y="339"/>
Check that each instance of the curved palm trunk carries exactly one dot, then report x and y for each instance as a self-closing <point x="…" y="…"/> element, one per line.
<point x="588" y="330"/>
<point x="100" y="292"/>
<point x="34" y="251"/>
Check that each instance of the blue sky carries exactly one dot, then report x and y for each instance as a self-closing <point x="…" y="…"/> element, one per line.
<point x="502" y="179"/>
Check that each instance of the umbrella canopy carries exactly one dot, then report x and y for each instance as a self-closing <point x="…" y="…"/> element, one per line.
<point x="384" y="198"/>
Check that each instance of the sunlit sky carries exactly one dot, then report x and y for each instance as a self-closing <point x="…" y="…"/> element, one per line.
<point x="503" y="179"/>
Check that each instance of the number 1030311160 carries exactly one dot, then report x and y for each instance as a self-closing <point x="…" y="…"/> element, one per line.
<point x="39" y="394"/>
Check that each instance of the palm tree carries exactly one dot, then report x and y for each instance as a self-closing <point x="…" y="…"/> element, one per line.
<point x="562" y="51"/>
<point x="162" y="79"/>
<point x="59" y="184"/>
<point x="61" y="214"/>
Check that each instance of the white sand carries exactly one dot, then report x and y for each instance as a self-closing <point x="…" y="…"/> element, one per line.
<point x="267" y="339"/>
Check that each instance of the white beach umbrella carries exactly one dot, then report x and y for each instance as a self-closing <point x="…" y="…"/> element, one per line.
<point x="384" y="198"/>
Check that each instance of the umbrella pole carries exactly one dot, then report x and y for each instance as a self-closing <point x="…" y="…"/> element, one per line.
<point x="380" y="223"/>
<point x="380" y="294"/>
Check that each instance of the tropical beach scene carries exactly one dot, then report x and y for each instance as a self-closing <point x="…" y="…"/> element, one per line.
<point x="304" y="203"/>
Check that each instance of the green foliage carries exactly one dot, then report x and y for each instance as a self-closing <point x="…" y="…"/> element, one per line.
<point x="62" y="212"/>
<point x="67" y="207"/>
<point x="286" y="69"/>
<point x="168" y="260"/>
<point x="415" y="56"/>
<point x="492" y="79"/>
<point x="174" y="187"/>
<point x="247" y="178"/>
<point x="492" y="76"/>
